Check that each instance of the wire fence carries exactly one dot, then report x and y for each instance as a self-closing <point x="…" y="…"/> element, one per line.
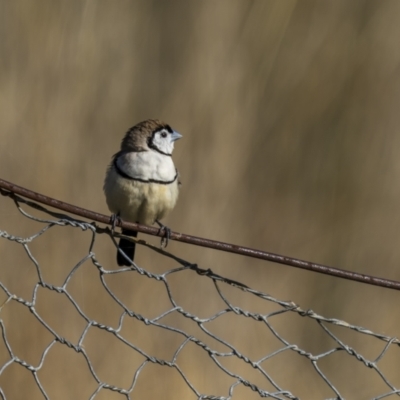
<point x="187" y="337"/>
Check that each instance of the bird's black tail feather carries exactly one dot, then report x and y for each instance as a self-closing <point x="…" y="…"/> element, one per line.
<point x="127" y="247"/>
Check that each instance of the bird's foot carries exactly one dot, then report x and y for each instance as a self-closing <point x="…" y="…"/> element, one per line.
<point x="166" y="234"/>
<point x="115" y="220"/>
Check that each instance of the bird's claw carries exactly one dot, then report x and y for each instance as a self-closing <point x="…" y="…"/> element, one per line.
<point x="115" y="220"/>
<point x="166" y="234"/>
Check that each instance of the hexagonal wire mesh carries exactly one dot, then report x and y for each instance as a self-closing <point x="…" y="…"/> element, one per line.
<point x="141" y="336"/>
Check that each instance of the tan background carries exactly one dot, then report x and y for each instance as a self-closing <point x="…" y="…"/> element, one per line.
<point x="289" y="111"/>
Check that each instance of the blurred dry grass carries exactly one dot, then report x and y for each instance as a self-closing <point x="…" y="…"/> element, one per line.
<point x="289" y="112"/>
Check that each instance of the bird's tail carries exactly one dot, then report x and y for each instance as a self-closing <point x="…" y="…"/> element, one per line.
<point x="127" y="247"/>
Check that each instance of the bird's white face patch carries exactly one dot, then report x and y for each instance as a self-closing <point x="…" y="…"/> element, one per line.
<point x="164" y="139"/>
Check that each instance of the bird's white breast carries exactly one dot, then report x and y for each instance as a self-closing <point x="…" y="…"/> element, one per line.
<point x="137" y="201"/>
<point x="147" y="165"/>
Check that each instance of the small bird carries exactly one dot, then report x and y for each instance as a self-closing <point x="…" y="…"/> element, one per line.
<point x="141" y="183"/>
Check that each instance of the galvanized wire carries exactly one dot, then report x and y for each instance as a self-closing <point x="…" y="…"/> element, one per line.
<point x="215" y="356"/>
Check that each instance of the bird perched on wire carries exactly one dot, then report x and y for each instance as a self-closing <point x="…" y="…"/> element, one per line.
<point x="141" y="183"/>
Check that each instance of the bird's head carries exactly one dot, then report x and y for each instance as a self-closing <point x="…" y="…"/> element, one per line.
<point x="151" y="134"/>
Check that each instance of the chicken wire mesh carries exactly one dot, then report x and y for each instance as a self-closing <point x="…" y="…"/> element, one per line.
<point x="205" y="357"/>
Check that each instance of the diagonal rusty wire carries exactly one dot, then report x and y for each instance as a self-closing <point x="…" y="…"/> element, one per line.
<point x="11" y="189"/>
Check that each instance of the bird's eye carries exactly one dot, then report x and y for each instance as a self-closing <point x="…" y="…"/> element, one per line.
<point x="164" y="134"/>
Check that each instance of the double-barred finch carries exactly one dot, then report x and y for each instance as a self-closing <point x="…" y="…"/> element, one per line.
<point x="141" y="183"/>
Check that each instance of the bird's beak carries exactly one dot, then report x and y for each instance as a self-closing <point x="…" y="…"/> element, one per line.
<point x="175" y="136"/>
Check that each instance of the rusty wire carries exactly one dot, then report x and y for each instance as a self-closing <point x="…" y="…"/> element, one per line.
<point x="11" y="189"/>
